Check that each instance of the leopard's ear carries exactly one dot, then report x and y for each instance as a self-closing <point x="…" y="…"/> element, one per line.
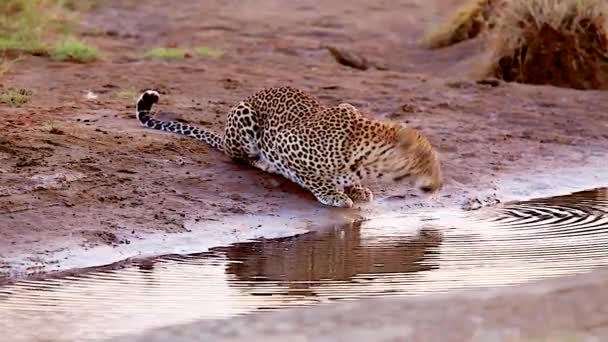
<point x="407" y="137"/>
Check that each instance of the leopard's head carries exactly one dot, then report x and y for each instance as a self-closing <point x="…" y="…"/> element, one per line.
<point x="410" y="156"/>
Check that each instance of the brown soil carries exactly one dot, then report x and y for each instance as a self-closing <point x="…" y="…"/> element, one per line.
<point x="78" y="172"/>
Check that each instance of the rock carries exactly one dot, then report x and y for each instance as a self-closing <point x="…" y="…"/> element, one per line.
<point x="349" y="58"/>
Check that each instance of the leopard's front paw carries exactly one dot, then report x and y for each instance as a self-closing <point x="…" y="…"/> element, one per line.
<point x="336" y="199"/>
<point x="360" y="193"/>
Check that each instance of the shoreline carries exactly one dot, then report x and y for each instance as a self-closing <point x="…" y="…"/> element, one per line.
<point x="201" y="238"/>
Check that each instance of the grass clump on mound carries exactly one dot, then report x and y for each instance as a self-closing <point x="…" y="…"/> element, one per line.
<point x="72" y="49"/>
<point x="473" y="18"/>
<point x="556" y="42"/>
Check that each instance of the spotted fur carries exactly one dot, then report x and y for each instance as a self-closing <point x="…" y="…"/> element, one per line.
<point x="327" y="150"/>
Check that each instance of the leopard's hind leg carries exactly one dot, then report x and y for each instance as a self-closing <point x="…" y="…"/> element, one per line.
<point x="242" y="135"/>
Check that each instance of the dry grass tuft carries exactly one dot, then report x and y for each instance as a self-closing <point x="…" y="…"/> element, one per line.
<point x="15" y="96"/>
<point x="470" y="20"/>
<point x="6" y="64"/>
<point x="556" y="42"/>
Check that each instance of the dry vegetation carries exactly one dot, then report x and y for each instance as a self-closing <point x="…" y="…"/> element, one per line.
<point x="15" y="96"/>
<point x="558" y="42"/>
<point x="471" y="19"/>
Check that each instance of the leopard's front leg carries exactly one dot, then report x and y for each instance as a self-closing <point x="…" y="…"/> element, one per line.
<point x="328" y="193"/>
<point x="325" y="190"/>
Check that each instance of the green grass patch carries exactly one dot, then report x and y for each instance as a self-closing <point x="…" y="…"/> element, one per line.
<point x="15" y="45"/>
<point x="15" y="96"/>
<point x="22" y="26"/>
<point x="74" y="50"/>
<point x="166" y="53"/>
<point x="27" y="26"/>
<point x="179" y="53"/>
<point x="208" y="52"/>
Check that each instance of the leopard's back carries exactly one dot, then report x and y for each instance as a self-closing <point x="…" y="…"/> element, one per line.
<point x="283" y="107"/>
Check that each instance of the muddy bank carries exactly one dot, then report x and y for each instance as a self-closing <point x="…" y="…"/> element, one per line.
<point x="200" y="236"/>
<point x="82" y="183"/>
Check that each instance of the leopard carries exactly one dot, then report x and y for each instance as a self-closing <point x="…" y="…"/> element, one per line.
<point x="331" y="151"/>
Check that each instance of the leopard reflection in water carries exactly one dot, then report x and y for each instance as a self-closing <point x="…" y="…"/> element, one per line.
<point x="338" y="255"/>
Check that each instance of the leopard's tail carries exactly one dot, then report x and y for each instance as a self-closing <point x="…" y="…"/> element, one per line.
<point x="143" y="109"/>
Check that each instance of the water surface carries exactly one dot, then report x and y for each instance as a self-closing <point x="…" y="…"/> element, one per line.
<point x="389" y="256"/>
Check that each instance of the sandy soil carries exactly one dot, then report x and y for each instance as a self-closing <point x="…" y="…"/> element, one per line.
<point x="79" y="173"/>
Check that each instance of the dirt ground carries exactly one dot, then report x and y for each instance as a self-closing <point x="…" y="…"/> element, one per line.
<point x="78" y="172"/>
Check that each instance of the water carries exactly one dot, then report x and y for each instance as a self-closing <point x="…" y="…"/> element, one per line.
<point x="389" y="256"/>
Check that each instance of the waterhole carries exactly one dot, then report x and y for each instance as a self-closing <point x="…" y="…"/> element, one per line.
<point x="388" y="256"/>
